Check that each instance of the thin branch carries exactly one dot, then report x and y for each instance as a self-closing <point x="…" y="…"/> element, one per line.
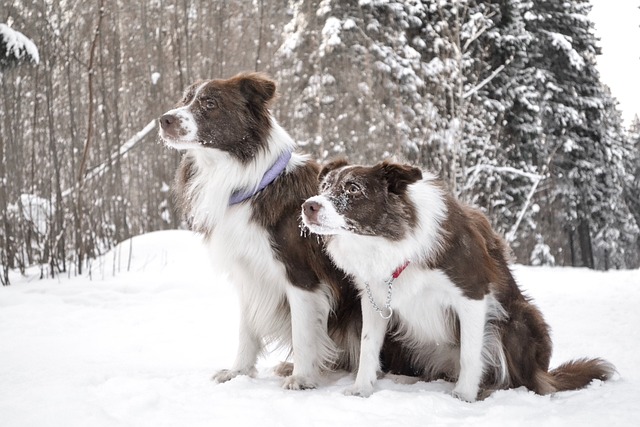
<point x="487" y="80"/>
<point x="257" y="66"/>
<point x="102" y="168"/>
<point x="512" y="233"/>
<point x="87" y="144"/>
<point x="507" y="170"/>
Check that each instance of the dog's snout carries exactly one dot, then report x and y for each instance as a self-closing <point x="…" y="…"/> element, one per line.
<point x="167" y="120"/>
<point x="311" y="209"/>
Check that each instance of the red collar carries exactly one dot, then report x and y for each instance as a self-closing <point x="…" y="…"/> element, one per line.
<point x="398" y="271"/>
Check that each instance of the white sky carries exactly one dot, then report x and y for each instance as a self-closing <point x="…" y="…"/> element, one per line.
<point x="618" y="27"/>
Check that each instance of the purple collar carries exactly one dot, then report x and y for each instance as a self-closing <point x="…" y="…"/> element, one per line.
<point x="269" y="176"/>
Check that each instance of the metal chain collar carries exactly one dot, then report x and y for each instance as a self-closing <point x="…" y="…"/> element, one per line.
<point x="389" y="283"/>
<point x="387" y="304"/>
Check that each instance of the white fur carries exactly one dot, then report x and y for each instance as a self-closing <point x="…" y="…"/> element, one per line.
<point x="383" y="256"/>
<point x="373" y="332"/>
<point x="187" y="122"/>
<point x="313" y="349"/>
<point x="472" y="315"/>
<point x="422" y="299"/>
<point x="243" y="249"/>
<point x="331" y="221"/>
<point x="272" y="309"/>
<point x="221" y="175"/>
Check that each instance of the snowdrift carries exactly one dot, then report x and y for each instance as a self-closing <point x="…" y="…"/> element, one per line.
<point x="135" y="341"/>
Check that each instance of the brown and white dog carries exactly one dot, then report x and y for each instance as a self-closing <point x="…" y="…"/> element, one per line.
<point x="241" y="185"/>
<point x="433" y="270"/>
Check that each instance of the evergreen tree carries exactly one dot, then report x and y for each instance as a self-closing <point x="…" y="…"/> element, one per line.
<point x="615" y="229"/>
<point x="516" y="138"/>
<point x="632" y="184"/>
<point x="577" y="138"/>
<point x="15" y="48"/>
<point x="500" y="97"/>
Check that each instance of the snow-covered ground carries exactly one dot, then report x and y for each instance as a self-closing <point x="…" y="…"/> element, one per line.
<point x="135" y="343"/>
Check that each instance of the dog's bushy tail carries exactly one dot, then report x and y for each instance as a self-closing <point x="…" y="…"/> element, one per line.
<point x="574" y="375"/>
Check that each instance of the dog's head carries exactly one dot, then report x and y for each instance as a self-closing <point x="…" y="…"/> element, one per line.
<point x="230" y="115"/>
<point x="369" y="201"/>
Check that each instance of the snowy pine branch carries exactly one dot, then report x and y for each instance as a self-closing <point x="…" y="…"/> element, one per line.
<point x="15" y="47"/>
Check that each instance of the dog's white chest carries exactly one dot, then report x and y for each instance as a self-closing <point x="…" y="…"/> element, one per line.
<point x="422" y="300"/>
<point x="242" y="248"/>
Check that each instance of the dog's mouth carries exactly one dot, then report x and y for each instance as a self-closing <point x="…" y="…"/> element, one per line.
<point x="321" y="229"/>
<point x="180" y="143"/>
<point x="318" y="227"/>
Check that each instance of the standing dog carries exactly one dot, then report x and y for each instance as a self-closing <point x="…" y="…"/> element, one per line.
<point x="455" y="304"/>
<point x="241" y="185"/>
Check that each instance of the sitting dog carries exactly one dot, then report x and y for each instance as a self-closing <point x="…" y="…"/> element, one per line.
<point x="434" y="271"/>
<point x="240" y="184"/>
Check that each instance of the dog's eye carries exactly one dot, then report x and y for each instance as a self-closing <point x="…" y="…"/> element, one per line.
<point x="353" y="188"/>
<point x="210" y="103"/>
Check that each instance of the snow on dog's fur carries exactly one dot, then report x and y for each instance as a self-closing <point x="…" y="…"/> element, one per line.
<point x="454" y="302"/>
<point x="289" y="290"/>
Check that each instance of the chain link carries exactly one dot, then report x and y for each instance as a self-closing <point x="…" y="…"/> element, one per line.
<point x="387" y="304"/>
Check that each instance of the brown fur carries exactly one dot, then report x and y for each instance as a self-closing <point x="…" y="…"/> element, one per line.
<point x="474" y="257"/>
<point x="383" y="183"/>
<point x="232" y="115"/>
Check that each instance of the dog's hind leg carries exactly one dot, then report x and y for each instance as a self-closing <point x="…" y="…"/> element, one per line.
<point x="472" y="316"/>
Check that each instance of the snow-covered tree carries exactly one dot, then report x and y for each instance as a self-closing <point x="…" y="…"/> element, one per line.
<point x="632" y="185"/>
<point x="500" y="97"/>
<point x="16" y="48"/>
<point x="541" y="254"/>
<point x="352" y="79"/>
<point x="579" y="139"/>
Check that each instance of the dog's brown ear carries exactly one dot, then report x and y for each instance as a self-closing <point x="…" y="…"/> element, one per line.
<point x="332" y="165"/>
<point x="399" y="176"/>
<point x="257" y="88"/>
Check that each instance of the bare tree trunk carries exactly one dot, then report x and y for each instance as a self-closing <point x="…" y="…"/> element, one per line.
<point x="220" y="47"/>
<point x="572" y="245"/>
<point x="260" y="25"/>
<point x="85" y="153"/>
<point x="122" y="229"/>
<point x="586" y="247"/>
<point x="5" y="243"/>
<point x="53" y="257"/>
<point x="187" y="40"/>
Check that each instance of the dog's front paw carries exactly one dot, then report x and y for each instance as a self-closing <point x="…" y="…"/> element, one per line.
<point x="359" y="391"/>
<point x="465" y="395"/>
<point x="284" y="369"/>
<point x="228" y="374"/>
<point x="297" y="382"/>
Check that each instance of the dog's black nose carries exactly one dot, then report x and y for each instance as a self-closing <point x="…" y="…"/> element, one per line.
<point x="311" y="209"/>
<point x="167" y="120"/>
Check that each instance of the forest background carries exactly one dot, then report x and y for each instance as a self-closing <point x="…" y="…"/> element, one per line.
<point x="501" y="98"/>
